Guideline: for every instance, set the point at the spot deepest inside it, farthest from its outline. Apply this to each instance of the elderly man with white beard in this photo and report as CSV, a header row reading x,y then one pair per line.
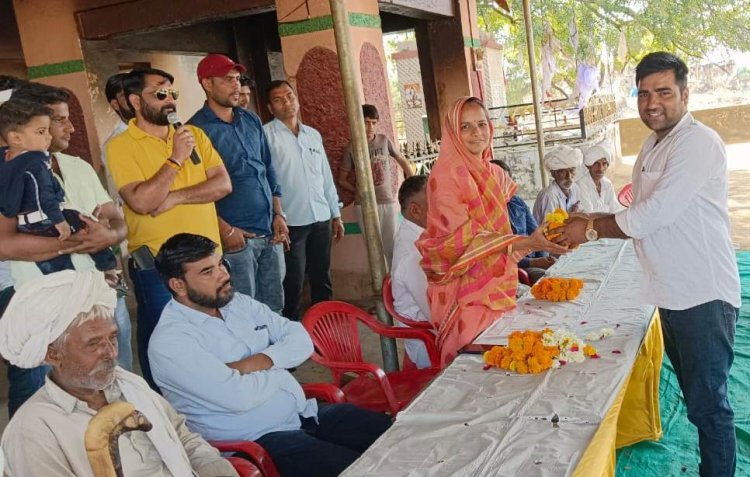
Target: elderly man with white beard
x,y
65,320
563,193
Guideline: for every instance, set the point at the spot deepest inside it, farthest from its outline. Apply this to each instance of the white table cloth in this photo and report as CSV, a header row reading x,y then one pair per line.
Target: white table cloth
x,y
472,422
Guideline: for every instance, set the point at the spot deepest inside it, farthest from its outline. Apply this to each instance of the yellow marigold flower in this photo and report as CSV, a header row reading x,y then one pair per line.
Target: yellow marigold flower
x,y
557,289
589,350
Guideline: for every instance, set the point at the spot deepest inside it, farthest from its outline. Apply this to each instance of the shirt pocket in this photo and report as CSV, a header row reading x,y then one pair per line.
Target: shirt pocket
x,y
647,183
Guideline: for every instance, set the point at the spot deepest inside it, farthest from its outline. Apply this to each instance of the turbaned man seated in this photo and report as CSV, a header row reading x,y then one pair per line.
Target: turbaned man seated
x,y
221,359
66,321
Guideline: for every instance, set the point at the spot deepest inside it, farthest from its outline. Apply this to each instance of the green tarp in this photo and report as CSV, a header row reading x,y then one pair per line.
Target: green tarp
x,y
676,454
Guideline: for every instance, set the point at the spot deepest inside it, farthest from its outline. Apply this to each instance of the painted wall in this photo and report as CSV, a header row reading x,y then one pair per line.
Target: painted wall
x,y
731,122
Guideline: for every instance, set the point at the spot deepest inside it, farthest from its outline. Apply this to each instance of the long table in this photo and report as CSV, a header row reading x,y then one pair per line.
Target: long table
x,y
563,422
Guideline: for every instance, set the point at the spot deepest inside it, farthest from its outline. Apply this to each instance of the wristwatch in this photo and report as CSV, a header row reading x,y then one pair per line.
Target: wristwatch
x,y
591,233
281,214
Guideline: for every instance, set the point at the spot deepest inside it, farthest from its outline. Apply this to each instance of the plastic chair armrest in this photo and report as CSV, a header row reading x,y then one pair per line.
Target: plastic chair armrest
x,y
254,451
325,392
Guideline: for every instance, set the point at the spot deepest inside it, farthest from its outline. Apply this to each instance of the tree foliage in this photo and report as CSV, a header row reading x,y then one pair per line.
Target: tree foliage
x,y
689,28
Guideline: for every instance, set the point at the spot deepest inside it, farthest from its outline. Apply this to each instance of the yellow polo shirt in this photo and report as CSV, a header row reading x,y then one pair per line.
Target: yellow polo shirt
x,y
135,156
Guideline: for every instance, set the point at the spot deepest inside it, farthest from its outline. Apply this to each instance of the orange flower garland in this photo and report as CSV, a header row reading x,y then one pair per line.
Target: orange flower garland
x,y
557,289
531,352
524,354
554,220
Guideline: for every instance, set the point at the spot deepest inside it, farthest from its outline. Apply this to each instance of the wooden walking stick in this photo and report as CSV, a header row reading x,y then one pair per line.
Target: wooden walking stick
x,y
103,433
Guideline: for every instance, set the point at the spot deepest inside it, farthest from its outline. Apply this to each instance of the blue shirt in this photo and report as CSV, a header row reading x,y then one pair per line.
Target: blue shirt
x,y
302,165
188,353
243,147
522,222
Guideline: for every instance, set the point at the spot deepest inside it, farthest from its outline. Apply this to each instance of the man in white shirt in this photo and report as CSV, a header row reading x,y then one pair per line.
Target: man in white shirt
x,y
597,193
222,359
310,199
408,280
563,193
679,221
65,320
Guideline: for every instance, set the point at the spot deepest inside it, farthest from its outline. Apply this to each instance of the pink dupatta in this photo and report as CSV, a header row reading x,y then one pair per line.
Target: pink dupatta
x,y
471,280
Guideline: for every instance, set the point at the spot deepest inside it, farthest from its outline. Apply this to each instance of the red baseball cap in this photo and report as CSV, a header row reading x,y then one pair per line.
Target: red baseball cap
x,y
217,65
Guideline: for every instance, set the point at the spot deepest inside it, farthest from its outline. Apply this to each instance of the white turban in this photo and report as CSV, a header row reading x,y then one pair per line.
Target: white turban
x,y
42,309
600,150
562,157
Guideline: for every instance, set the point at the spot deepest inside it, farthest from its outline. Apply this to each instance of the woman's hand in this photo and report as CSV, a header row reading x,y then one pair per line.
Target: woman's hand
x,y
537,242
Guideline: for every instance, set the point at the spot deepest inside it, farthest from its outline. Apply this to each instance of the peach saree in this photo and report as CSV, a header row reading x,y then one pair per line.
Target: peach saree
x,y
471,279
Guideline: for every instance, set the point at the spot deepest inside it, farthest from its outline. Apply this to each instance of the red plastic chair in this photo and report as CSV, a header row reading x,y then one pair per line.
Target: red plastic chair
x,y
244,467
625,196
408,364
391,309
333,328
523,277
256,462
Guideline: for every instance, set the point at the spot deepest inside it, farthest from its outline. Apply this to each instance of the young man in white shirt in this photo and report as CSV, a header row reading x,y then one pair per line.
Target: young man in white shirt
x,y
679,221
408,280
596,191
310,198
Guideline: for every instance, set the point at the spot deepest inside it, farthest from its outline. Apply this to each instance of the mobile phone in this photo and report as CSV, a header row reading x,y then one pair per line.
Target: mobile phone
x,y
143,258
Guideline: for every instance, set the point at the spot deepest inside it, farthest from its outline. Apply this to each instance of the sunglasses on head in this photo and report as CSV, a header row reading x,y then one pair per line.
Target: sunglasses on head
x,y
162,93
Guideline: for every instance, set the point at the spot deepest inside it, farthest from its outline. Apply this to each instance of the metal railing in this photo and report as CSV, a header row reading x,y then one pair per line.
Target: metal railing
x,y
515,124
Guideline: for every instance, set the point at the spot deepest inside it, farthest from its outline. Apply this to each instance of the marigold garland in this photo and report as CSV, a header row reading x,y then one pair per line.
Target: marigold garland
x,y
555,220
531,352
557,289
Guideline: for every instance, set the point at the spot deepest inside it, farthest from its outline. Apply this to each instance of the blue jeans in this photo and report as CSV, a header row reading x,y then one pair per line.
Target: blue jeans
x,y
325,449
152,296
124,347
258,271
699,342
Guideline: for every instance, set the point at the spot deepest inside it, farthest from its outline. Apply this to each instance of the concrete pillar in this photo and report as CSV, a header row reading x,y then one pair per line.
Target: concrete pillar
x,y
311,64
53,54
450,58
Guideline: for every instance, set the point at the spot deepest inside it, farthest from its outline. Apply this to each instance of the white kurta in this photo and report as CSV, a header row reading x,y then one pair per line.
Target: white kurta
x,y
552,197
593,201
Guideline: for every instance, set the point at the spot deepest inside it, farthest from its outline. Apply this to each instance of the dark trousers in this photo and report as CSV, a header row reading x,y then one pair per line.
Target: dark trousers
x,y
309,252
325,449
22,383
103,259
699,342
152,296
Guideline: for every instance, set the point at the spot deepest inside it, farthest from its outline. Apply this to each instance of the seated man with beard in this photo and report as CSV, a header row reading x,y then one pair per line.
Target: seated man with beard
x,y
66,321
221,359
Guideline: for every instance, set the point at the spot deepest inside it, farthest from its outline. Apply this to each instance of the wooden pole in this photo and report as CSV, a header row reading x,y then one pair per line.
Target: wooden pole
x,y
365,187
535,90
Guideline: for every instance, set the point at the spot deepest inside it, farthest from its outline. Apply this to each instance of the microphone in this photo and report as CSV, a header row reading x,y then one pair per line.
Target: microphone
x,y
174,120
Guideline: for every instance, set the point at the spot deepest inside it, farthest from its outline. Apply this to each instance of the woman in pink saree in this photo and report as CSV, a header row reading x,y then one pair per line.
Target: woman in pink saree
x,y
469,252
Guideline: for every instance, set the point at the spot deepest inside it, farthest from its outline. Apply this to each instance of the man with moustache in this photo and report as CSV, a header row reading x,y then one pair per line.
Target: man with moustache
x,y
83,192
679,223
65,320
310,199
221,359
563,193
596,191
251,219
163,190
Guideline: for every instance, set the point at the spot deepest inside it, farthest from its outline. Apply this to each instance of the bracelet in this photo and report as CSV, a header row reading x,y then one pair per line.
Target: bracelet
x,y
230,232
174,164
510,249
